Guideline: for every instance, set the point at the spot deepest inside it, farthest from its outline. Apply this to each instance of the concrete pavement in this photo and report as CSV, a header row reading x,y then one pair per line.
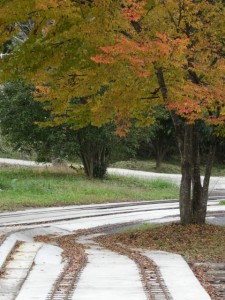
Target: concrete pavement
x,y
47,267
16,270
93,284
34,268
106,275
178,277
90,216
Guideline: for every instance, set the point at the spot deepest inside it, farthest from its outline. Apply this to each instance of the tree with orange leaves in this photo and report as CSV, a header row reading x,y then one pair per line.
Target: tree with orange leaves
x,y
179,45
143,54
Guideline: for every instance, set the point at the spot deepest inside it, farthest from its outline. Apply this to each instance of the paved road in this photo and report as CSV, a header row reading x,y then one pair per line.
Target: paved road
x,y
216,182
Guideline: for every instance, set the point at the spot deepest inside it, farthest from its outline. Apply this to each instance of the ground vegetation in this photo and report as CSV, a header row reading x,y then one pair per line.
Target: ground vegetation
x,y
23,188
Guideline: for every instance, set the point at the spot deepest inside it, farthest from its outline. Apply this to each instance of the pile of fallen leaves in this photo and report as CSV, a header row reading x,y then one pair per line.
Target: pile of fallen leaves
x,y
195,242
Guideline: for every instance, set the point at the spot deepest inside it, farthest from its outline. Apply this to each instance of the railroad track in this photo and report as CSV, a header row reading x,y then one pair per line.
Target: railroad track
x,y
151,277
77,213
214,275
64,286
66,283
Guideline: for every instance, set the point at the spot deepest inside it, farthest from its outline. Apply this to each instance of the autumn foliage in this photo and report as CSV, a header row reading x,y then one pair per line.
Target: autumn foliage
x,y
133,39
182,52
108,60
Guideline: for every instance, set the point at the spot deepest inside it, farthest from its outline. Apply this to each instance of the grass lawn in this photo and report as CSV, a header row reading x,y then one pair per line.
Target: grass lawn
x,y
24,187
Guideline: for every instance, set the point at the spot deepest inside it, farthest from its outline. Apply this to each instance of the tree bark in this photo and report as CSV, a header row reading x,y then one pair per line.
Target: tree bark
x,y
184,139
196,179
160,152
94,155
177,122
193,196
186,211
200,202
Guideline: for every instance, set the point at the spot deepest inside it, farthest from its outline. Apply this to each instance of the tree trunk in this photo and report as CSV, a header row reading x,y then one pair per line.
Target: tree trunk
x,y
197,194
159,152
94,156
87,162
186,211
193,196
201,200
101,161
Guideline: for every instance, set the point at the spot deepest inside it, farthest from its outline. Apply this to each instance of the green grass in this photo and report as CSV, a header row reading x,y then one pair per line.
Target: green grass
x,y
22,187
